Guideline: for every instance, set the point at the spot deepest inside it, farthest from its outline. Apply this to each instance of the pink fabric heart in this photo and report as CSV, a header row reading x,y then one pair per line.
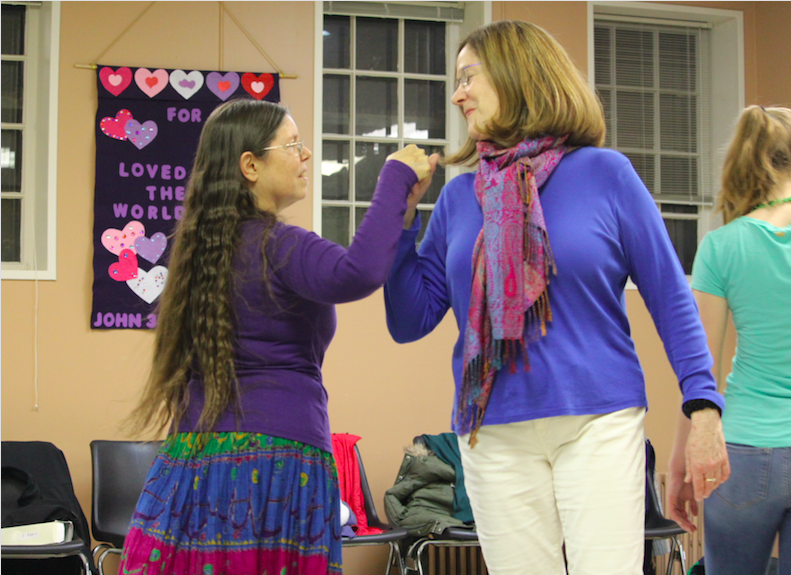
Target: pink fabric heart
x,y
117,241
115,127
151,83
126,268
116,81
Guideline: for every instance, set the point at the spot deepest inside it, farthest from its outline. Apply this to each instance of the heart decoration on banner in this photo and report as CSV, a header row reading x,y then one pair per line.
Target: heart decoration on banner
x,y
149,285
151,249
117,241
116,127
222,85
186,84
126,268
151,83
116,81
143,134
258,86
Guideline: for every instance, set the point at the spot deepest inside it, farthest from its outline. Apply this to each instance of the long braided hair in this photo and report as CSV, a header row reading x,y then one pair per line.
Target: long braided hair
x,y
195,327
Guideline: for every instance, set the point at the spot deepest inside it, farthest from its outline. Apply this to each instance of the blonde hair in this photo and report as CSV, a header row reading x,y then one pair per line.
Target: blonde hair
x,y
540,89
758,160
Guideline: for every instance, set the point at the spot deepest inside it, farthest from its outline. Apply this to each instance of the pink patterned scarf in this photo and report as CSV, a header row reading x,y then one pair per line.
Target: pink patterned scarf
x,y
511,264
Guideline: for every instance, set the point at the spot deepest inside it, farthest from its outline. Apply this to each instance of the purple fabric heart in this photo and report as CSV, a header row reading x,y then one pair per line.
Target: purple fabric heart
x,y
187,84
223,86
151,249
139,134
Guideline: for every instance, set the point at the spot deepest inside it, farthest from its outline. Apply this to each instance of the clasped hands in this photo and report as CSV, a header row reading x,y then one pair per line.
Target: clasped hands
x,y
424,167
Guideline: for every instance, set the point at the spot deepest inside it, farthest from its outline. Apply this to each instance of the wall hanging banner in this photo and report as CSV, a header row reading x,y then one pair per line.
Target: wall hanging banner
x,y
148,123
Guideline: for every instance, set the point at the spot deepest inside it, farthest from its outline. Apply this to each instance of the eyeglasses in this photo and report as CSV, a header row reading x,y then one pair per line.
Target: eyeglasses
x,y
464,78
300,146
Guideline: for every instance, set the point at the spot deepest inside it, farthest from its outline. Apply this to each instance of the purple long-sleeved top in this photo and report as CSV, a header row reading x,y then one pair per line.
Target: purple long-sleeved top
x,y
280,345
603,227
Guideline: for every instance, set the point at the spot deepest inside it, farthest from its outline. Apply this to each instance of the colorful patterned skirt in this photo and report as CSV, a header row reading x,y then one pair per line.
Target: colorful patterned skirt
x,y
236,504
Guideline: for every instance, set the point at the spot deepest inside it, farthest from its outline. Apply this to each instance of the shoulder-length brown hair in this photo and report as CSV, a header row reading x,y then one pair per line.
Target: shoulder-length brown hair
x,y
758,160
540,89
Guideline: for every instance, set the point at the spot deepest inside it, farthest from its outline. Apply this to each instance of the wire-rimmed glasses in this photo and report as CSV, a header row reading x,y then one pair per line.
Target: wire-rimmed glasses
x,y
465,77
300,146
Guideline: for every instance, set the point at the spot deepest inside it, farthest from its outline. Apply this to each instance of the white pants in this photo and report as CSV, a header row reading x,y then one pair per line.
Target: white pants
x,y
578,480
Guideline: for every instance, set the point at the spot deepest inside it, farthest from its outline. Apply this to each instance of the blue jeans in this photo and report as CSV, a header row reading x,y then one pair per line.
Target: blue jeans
x,y
744,514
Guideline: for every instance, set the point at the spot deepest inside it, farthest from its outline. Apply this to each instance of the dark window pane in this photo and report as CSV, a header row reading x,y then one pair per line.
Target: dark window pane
x,y
369,157
424,109
377,44
679,175
377,107
335,224
337,34
605,96
634,117
601,62
335,170
634,58
13,38
678,117
424,47
359,214
684,235
679,209
12,79
12,228
432,194
336,104
678,61
11,161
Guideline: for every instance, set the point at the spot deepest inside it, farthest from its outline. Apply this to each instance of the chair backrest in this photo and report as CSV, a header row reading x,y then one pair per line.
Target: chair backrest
x,y
370,507
47,467
120,469
657,526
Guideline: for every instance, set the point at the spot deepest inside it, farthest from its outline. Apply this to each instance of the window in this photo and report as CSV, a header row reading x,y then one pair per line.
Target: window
x,y
387,73
653,71
29,120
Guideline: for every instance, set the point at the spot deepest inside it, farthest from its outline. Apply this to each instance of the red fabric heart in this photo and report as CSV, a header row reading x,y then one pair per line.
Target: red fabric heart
x,y
126,268
223,86
116,81
258,86
152,81
114,127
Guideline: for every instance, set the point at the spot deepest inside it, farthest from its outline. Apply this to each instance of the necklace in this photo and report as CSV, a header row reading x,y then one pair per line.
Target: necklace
x,y
772,203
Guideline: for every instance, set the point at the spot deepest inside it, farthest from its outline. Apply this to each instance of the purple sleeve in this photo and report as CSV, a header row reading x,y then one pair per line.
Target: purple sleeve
x,y
322,271
655,269
416,293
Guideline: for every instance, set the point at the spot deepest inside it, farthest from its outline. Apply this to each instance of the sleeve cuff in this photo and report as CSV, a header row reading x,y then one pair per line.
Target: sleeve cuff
x,y
693,405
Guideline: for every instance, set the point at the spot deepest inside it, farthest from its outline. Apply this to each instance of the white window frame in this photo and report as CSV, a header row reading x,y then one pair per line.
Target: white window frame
x,y
476,14
39,145
727,77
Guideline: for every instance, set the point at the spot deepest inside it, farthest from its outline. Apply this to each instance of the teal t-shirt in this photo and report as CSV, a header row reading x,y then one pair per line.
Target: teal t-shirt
x,y
748,262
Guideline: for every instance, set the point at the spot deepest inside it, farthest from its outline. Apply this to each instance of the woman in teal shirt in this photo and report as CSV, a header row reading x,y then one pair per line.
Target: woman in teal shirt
x,y
744,268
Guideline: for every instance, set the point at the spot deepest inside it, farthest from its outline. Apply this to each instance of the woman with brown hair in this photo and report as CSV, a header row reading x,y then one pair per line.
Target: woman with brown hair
x,y
744,269
532,252
245,481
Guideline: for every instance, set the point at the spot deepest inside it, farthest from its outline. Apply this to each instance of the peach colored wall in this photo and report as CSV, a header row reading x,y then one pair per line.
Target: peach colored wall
x,y
385,392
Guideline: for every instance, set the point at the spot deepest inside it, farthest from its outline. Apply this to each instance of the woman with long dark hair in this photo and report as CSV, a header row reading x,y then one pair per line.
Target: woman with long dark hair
x,y
532,252
743,269
245,481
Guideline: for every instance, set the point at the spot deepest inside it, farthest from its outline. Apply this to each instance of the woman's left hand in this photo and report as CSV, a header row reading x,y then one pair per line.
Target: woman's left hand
x,y
706,455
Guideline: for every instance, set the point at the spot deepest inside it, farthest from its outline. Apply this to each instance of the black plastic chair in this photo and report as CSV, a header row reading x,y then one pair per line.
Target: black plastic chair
x,y
392,536
120,469
657,526
47,467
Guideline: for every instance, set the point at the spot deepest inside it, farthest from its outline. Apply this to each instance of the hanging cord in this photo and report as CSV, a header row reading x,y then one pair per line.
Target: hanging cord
x,y
113,43
222,33
223,10
257,46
